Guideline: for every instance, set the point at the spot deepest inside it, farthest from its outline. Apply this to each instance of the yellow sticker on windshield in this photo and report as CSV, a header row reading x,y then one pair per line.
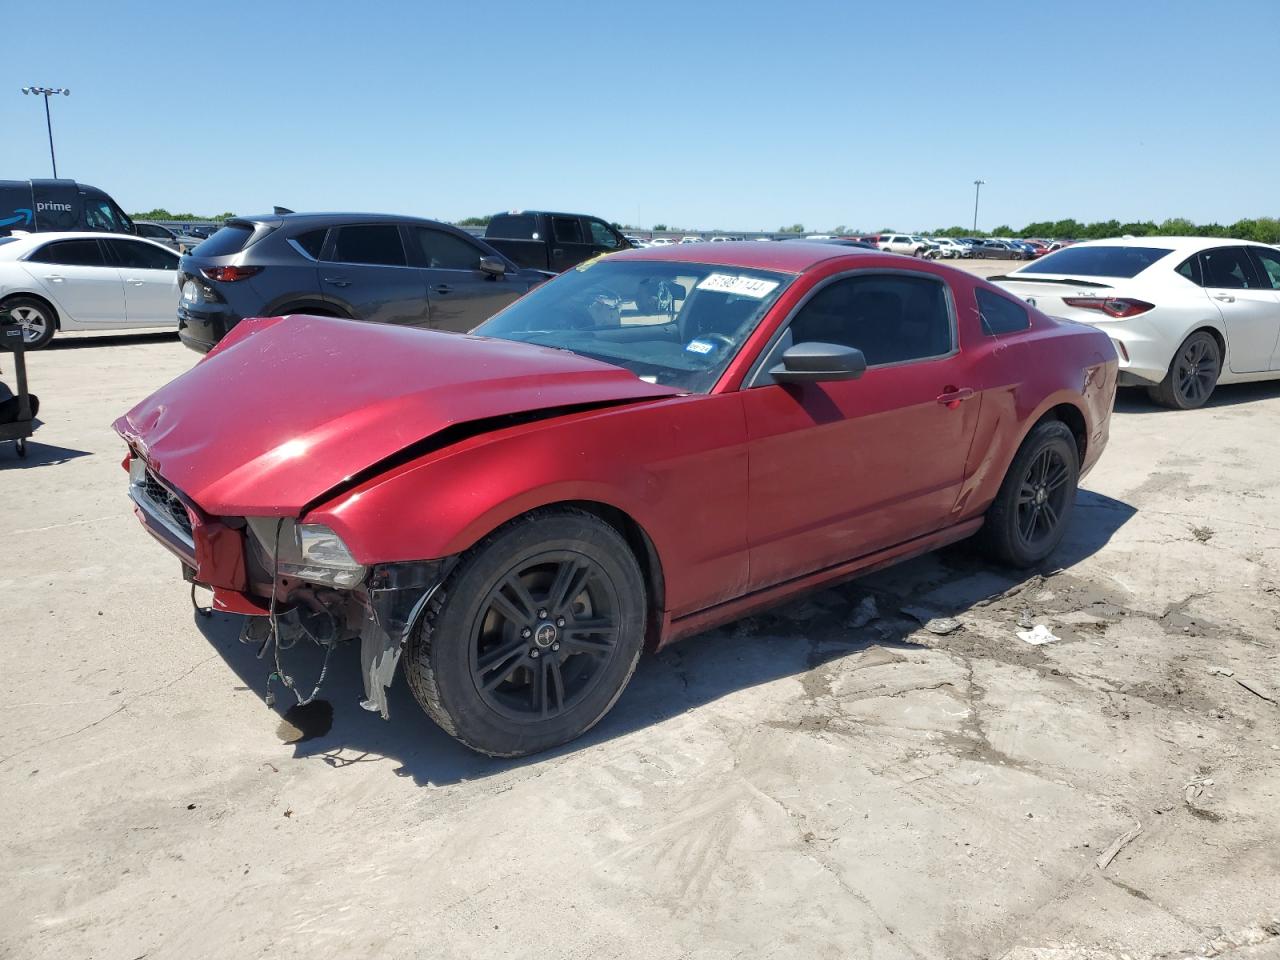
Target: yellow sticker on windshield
x,y
587,264
737,285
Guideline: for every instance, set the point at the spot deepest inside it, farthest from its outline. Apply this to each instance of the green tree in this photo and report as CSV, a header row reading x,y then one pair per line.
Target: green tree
x,y
1177,227
794,228
474,222
1004,230
660,226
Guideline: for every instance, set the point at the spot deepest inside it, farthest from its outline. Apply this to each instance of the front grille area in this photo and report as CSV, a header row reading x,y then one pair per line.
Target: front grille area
x,y
162,505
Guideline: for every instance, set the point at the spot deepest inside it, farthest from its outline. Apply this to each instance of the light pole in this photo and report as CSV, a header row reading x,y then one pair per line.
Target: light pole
x,y
977,189
48,92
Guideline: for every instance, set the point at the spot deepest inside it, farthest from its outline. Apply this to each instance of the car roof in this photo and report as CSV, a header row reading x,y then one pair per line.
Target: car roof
x,y
18,245
1177,244
793,257
332,218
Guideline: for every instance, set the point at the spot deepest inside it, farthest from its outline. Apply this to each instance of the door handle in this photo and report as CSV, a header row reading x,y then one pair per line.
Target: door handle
x,y
1224,297
952,397
55,277
442,288
136,283
338,281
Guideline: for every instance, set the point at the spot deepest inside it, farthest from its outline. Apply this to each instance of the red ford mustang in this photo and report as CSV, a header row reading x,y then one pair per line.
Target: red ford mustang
x,y
649,445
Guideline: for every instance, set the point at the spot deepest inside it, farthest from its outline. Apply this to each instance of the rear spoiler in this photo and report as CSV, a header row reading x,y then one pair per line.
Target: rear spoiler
x,y
1012,278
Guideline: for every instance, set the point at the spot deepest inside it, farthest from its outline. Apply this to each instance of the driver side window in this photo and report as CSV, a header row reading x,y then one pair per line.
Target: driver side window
x,y
891,318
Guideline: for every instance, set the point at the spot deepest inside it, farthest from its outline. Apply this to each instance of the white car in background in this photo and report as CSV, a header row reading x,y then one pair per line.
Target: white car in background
x,y
1184,313
906,244
661,242
951,249
86,281
690,239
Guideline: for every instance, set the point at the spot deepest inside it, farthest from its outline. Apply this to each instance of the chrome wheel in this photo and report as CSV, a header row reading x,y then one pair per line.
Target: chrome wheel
x,y
36,327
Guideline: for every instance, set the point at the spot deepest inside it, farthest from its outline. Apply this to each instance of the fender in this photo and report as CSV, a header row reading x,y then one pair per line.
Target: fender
x,y
676,467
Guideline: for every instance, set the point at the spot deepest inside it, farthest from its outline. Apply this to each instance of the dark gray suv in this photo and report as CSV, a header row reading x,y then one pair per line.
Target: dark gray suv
x,y
376,267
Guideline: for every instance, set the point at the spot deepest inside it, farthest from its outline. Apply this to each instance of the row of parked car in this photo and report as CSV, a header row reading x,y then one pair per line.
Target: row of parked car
x,y
913,245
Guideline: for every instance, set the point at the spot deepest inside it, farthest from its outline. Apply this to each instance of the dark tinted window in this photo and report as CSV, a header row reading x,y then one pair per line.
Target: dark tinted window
x,y
102,215
142,256
230,239
70,253
1268,263
1000,314
312,242
153,230
1228,267
1190,268
567,229
602,235
1098,261
512,227
370,244
445,251
888,318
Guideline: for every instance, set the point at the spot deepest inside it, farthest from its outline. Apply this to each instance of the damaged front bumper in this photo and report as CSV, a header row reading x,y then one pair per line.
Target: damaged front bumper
x,y
247,564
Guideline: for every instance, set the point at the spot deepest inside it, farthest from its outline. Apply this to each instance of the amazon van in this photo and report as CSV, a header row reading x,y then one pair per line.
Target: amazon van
x,y
46,205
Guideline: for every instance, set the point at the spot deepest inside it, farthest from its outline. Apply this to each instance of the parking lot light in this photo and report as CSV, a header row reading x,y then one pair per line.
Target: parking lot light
x,y
48,92
977,189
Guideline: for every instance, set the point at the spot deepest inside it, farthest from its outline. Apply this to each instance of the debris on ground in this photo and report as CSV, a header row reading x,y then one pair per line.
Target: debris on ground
x,y
1118,844
1195,787
1025,620
930,620
1256,690
1221,671
865,612
1203,534
1037,636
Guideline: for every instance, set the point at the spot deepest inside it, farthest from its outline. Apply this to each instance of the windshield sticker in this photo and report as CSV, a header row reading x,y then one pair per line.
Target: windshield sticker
x,y
738,285
700,346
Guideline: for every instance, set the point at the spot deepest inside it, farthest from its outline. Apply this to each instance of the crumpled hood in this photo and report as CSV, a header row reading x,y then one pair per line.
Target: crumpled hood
x,y
287,408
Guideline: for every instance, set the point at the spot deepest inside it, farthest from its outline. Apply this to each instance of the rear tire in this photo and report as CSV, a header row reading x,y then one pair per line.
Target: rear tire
x,y
1193,374
37,320
533,636
1029,516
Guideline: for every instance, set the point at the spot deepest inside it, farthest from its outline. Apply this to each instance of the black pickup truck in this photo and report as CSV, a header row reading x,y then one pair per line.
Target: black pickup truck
x,y
551,241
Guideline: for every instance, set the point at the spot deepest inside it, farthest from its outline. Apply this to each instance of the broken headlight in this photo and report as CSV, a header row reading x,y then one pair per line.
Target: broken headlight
x,y
308,551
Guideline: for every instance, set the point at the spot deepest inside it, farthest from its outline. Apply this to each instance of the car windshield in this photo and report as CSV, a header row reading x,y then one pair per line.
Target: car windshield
x,y
1098,261
677,324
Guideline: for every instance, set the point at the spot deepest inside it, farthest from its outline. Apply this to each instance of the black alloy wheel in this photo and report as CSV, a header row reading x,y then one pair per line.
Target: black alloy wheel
x,y
1028,517
1042,497
545,632
1192,375
533,635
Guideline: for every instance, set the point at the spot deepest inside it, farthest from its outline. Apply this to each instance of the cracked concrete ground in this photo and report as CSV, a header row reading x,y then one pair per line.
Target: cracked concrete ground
x,y
807,783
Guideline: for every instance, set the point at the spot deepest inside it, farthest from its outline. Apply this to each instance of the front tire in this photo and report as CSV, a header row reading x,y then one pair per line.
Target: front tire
x,y
1028,518
36,319
533,636
1193,373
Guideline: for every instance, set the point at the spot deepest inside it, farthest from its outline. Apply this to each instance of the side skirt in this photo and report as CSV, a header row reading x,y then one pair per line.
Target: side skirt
x,y
744,606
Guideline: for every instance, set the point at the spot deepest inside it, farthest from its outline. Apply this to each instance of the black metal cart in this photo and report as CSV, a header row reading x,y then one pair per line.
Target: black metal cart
x,y
23,425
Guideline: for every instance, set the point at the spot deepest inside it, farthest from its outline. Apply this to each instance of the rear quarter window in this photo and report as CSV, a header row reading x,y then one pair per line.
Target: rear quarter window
x,y
1098,261
1000,315
512,227
230,239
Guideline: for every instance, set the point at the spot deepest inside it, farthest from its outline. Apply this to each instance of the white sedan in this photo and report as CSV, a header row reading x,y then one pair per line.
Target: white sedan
x,y
1184,313
86,281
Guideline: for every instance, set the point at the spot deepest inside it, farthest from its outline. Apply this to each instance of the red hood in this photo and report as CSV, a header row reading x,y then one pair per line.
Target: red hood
x,y
286,408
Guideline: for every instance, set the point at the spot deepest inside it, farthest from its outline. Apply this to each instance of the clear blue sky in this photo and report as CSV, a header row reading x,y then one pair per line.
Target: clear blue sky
x,y
698,113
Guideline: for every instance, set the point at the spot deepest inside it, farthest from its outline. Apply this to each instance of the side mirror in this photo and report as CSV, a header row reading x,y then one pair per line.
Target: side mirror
x,y
493,266
815,362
